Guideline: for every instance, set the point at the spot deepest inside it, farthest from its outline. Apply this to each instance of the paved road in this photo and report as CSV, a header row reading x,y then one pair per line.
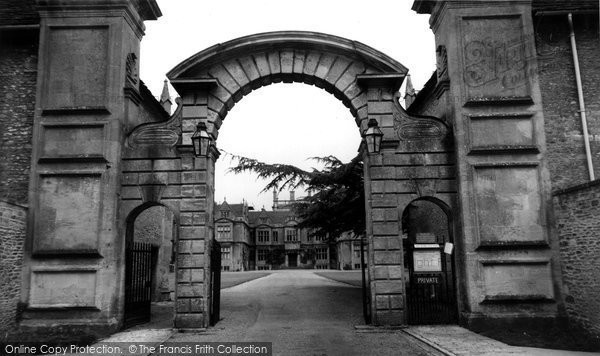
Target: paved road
x,y
302,314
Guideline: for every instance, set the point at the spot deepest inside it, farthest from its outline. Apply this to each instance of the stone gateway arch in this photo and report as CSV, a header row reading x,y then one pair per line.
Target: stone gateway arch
x,y
366,81
104,151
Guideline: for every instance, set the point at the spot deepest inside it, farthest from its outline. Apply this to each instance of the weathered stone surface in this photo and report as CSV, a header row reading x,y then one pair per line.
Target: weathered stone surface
x,y
190,321
387,243
388,287
66,288
387,257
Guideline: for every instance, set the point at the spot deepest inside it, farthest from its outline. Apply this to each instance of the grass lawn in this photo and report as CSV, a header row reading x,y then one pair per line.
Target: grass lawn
x,y
350,277
230,279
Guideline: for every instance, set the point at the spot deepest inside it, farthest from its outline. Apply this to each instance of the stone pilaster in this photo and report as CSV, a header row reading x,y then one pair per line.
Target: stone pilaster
x,y
507,251
88,57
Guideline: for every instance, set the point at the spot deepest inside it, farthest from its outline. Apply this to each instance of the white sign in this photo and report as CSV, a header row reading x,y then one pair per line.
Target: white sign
x,y
448,248
429,246
427,261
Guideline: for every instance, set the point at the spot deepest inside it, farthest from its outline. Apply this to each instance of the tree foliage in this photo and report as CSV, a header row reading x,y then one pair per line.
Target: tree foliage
x,y
337,202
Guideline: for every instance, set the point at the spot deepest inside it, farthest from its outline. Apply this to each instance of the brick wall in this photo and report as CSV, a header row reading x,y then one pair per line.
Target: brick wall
x,y
564,137
12,235
18,71
578,216
18,12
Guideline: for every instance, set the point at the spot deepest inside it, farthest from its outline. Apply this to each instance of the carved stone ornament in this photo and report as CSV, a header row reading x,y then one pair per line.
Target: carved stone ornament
x,y
414,127
442,63
166,133
131,70
425,187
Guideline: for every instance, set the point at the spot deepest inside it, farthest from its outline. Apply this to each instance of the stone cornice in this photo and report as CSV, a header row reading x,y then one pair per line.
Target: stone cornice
x,y
387,80
183,85
438,8
134,12
284,40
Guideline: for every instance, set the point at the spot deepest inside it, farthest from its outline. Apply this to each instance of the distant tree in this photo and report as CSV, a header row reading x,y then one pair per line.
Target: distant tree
x,y
337,203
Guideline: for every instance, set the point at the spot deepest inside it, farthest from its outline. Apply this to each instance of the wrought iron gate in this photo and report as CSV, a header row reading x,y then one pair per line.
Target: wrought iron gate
x,y
430,294
215,274
139,259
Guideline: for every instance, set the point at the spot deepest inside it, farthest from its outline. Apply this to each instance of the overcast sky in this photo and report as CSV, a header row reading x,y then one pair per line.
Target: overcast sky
x,y
283,123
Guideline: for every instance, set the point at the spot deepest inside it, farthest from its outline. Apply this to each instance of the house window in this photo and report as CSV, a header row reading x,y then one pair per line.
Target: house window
x,y
357,266
225,213
356,248
262,255
291,235
321,254
225,268
263,235
225,253
275,235
223,232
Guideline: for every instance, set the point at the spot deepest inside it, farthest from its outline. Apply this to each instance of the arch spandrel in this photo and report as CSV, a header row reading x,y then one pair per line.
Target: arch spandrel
x,y
244,64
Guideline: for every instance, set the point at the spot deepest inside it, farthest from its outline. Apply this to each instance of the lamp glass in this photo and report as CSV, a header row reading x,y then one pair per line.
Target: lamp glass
x,y
373,136
201,140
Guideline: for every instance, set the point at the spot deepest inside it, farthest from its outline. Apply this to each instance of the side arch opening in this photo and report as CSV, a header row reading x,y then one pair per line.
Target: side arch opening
x,y
151,237
427,236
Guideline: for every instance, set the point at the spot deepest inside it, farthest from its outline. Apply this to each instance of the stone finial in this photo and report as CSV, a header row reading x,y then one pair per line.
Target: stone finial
x,y
165,98
409,92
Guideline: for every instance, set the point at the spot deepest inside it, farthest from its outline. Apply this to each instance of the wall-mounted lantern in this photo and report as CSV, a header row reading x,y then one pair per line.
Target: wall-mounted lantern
x,y
201,140
373,136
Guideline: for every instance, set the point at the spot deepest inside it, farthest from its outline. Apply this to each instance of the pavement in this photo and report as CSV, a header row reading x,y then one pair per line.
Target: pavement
x,y
303,313
453,340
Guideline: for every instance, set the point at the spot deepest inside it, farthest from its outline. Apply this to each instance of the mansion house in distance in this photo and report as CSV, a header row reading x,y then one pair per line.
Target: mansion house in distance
x,y
265,240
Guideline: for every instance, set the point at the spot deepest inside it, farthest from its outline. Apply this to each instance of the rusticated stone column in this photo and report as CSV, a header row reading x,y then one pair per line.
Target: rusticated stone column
x,y
193,287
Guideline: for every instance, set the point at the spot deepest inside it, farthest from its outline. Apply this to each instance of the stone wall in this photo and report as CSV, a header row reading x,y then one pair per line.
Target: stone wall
x,y
564,135
578,216
18,70
12,235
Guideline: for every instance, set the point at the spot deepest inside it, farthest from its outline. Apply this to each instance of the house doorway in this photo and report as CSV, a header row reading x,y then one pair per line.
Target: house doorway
x,y
293,259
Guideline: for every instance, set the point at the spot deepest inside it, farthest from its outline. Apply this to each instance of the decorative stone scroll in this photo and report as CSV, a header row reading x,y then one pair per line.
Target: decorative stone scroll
x,y
416,128
425,187
166,133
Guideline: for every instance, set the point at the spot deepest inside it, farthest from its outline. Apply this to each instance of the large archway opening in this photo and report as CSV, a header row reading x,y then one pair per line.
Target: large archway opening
x,y
259,232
